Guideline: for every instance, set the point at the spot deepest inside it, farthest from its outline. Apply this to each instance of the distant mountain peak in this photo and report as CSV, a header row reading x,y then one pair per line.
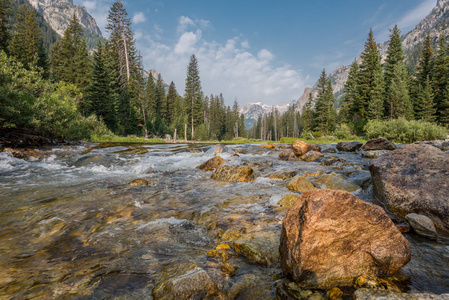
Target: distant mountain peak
x,y
58,14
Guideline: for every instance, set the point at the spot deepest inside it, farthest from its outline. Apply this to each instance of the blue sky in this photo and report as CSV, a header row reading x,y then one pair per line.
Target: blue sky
x,y
266,51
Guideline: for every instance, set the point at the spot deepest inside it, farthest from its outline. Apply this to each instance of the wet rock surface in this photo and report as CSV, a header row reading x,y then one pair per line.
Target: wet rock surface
x,y
373,294
312,156
300,148
211,164
422,225
300,184
379,144
233,173
72,226
330,237
414,179
349,146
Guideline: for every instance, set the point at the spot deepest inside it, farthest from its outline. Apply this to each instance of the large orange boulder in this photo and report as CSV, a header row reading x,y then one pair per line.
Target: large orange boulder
x,y
300,148
234,173
331,237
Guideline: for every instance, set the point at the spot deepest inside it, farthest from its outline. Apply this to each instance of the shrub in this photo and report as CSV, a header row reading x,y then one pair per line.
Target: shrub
x,y
343,132
287,140
403,131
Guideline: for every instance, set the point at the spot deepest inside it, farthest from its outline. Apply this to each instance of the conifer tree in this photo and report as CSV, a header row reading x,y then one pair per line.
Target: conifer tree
x,y
193,94
172,96
83,67
27,37
324,102
425,64
376,103
395,56
4,27
99,94
306,117
426,109
399,100
440,79
161,99
347,110
150,98
365,77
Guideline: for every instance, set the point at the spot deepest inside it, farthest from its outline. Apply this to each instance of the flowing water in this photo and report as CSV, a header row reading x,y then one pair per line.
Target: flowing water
x,y
71,225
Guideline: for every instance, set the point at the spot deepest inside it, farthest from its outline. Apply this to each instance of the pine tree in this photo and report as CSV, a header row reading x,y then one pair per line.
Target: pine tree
x,y
440,79
67,51
395,56
4,26
322,113
425,61
83,67
193,94
172,96
99,94
123,43
443,113
161,99
399,100
376,103
425,102
306,117
25,42
365,77
348,108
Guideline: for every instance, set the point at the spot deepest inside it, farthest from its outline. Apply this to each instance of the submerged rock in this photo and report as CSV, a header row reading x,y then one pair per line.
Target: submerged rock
x,y
311,156
379,144
349,146
139,182
259,247
300,148
269,146
300,184
234,173
188,281
330,237
287,154
374,153
217,149
373,294
211,164
287,201
373,282
414,179
336,183
422,225
283,175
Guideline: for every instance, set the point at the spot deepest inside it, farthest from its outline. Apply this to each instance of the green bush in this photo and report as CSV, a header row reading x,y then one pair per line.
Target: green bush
x,y
287,140
403,131
343,132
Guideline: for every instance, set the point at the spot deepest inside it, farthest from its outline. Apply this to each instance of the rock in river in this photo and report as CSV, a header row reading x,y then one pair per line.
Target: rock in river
x,y
311,156
414,179
349,146
373,294
330,237
300,184
379,144
422,225
234,173
211,164
287,154
300,148
187,281
259,247
336,183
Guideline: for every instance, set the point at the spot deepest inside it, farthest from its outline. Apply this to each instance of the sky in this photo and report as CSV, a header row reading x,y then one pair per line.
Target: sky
x,y
257,50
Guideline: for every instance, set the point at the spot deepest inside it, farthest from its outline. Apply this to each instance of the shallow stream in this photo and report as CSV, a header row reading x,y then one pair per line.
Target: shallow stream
x,y
71,225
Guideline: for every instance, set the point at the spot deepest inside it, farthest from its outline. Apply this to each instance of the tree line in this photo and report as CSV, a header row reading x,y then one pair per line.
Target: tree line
x,y
109,83
374,91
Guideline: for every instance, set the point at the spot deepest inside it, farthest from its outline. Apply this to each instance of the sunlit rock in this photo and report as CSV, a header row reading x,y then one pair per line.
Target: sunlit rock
x,y
331,237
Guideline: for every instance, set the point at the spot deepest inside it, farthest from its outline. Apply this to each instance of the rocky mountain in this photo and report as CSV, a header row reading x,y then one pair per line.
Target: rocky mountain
x,y
58,14
252,111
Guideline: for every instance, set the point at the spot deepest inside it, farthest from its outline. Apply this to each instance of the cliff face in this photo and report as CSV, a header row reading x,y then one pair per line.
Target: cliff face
x,y
58,14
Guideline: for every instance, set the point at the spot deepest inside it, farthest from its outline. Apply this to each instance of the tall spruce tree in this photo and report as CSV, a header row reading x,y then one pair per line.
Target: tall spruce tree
x,y
4,26
348,109
172,96
193,94
365,77
161,99
376,103
324,102
99,94
27,37
426,111
306,116
440,79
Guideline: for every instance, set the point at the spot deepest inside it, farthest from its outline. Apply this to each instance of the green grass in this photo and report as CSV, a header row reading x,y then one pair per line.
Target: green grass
x,y
122,139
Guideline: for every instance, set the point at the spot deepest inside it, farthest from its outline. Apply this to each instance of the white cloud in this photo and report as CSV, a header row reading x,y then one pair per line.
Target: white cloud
x,y
228,68
184,23
139,18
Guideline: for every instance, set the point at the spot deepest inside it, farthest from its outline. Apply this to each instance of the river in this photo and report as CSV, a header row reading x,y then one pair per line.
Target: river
x,y
71,225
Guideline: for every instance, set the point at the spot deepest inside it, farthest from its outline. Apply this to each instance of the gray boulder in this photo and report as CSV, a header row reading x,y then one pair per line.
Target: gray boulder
x,y
379,144
349,146
422,225
414,179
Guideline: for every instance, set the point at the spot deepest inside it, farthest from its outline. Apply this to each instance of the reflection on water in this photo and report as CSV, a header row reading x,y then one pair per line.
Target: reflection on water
x,y
71,225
